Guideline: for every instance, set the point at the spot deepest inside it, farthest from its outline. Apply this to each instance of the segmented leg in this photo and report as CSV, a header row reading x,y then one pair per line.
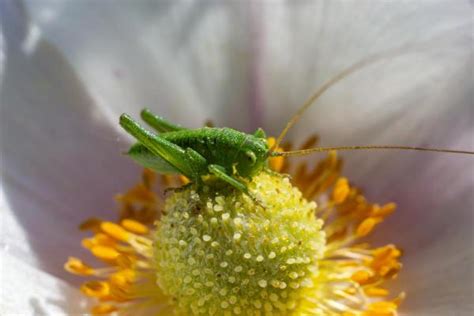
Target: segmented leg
x,y
173,154
196,161
158,123
144,157
219,172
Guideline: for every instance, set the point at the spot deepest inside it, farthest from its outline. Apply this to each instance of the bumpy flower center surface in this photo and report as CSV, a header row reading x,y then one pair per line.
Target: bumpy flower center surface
x,y
218,251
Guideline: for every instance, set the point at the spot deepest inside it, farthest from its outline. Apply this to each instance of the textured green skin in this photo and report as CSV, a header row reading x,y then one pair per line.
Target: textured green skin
x,y
225,147
234,153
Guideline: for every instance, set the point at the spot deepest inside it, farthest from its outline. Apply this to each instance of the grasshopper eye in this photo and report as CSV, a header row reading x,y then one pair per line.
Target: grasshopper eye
x,y
251,156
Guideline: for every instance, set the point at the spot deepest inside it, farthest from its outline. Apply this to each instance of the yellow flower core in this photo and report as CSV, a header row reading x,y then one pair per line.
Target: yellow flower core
x,y
291,249
219,252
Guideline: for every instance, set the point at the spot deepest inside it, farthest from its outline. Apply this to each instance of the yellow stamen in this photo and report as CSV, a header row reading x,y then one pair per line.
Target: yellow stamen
x,y
341,190
384,211
96,289
105,253
123,278
382,308
134,226
76,266
361,277
348,276
367,226
115,231
376,291
99,239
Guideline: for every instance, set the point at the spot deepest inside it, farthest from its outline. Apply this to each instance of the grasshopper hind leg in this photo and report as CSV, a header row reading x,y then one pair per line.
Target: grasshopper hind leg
x,y
159,123
175,156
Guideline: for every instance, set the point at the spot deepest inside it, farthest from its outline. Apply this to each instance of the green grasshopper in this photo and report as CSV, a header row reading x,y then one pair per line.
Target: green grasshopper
x,y
230,155
223,152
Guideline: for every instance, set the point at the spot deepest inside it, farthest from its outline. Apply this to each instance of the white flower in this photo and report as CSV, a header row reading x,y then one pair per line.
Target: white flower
x,y
70,68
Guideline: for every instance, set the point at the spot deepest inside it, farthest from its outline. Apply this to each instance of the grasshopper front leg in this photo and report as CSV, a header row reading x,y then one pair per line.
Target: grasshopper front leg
x,y
186,161
220,173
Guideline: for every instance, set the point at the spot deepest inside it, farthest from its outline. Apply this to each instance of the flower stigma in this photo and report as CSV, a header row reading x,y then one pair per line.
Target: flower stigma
x,y
290,247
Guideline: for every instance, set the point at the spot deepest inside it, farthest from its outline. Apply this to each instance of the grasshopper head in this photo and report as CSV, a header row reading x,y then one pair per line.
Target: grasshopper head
x,y
252,156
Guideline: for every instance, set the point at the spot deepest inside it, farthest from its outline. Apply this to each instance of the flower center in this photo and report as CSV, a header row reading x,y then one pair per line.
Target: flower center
x,y
217,251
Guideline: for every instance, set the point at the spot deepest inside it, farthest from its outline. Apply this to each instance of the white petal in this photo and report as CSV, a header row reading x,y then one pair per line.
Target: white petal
x,y
421,98
60,162
61,118
308,44
25,290
60,146
189,61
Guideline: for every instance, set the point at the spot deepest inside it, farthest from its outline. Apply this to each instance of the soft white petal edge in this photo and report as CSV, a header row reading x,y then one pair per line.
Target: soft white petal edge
x,y
25,289
53,144
189,60
461,276
421,98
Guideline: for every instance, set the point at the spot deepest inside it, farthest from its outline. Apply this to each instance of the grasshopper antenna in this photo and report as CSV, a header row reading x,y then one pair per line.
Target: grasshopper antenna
x,y
328,84
374,147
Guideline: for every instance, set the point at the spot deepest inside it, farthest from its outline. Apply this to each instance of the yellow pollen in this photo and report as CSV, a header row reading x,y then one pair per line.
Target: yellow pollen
x,y
376,291
123,277
383,211
99,239
387,251
361,277
367,226
87,243
115,231
76,266
105,253
341,190
382,308
134,226
235,260
96,289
